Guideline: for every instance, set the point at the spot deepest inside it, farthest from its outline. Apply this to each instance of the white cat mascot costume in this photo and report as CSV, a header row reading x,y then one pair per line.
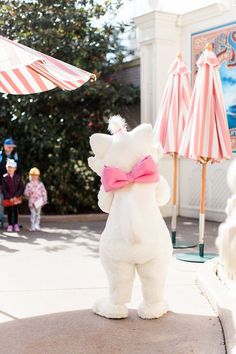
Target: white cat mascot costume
x,y
135,237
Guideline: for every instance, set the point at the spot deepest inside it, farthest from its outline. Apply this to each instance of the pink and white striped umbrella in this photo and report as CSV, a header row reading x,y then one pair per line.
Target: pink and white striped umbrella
x,y
25,71
174,107
206,133
170,125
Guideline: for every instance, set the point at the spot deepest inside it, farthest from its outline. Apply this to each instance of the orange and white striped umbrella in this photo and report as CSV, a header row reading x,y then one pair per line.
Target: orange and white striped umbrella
x,y
174,107
206,134
25,71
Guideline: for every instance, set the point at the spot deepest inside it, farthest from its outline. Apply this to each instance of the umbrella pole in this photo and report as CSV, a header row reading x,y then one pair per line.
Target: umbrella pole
x,y
202,211
177,244
174,205
201,257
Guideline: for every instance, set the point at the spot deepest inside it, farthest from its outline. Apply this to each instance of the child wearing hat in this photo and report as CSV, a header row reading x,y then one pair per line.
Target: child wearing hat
x,y
8,152
12,189
36,194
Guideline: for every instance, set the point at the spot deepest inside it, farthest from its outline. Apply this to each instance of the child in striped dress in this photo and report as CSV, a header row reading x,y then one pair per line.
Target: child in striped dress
x,y
36,194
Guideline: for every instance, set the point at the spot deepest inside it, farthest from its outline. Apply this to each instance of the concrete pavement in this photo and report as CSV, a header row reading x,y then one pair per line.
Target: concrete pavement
x,y
50,279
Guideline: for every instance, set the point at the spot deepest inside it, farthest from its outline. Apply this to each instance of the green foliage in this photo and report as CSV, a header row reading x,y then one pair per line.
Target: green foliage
x,y
52,129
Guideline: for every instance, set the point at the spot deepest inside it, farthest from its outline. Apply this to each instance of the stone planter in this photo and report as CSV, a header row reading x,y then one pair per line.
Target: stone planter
x,y
221,293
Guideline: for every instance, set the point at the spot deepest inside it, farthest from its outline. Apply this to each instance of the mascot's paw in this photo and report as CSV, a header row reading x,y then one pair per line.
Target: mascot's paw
x,y
156,310
105,308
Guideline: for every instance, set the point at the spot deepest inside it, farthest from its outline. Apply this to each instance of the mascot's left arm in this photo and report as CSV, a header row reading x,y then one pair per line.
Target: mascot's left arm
x,y
163,191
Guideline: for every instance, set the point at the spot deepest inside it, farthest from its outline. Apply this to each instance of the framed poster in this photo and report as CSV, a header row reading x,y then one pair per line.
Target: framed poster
x,y
223,39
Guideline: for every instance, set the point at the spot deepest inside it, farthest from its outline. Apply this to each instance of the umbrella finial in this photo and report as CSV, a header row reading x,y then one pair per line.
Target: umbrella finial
x,y
209,46
179,55
203,160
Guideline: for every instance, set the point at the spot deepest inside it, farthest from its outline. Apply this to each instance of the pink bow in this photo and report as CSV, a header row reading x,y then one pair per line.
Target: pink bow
x,y
144,171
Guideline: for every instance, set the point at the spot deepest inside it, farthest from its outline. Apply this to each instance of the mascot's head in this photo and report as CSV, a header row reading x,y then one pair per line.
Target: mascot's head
x,y
123,149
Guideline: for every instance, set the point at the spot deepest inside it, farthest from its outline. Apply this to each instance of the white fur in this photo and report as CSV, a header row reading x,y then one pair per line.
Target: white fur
x,y
135,237
105,308
154,311
231,176
226,240
116,124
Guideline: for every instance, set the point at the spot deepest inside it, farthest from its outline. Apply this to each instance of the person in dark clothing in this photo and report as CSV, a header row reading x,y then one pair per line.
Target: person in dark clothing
x,y
12,189
8,152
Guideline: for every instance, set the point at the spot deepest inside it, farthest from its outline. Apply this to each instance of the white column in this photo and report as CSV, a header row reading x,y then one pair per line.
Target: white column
x,y
158,37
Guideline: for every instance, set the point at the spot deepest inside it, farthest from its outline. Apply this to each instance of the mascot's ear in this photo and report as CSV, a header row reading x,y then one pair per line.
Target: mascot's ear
x,y
96,165
144,133
100,144
159,151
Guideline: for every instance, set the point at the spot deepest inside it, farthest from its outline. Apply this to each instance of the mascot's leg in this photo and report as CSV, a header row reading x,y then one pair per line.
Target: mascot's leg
x,y
153,276
120,276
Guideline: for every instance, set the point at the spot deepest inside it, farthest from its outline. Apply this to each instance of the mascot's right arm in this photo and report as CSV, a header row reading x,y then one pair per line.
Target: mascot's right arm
x,y
99,144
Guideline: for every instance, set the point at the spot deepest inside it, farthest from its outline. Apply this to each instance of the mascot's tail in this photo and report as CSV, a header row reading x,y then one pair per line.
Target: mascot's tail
x,y
131,222
116,124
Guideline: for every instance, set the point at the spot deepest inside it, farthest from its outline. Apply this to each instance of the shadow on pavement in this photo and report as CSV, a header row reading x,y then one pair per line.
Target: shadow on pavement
x,y
56,237
188,230
7,249
82,332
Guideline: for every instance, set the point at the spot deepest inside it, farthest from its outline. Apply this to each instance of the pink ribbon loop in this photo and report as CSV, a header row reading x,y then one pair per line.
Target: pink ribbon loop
x,y
144,171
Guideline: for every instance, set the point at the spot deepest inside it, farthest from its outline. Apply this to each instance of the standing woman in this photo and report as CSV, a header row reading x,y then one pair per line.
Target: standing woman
x,y
8,152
